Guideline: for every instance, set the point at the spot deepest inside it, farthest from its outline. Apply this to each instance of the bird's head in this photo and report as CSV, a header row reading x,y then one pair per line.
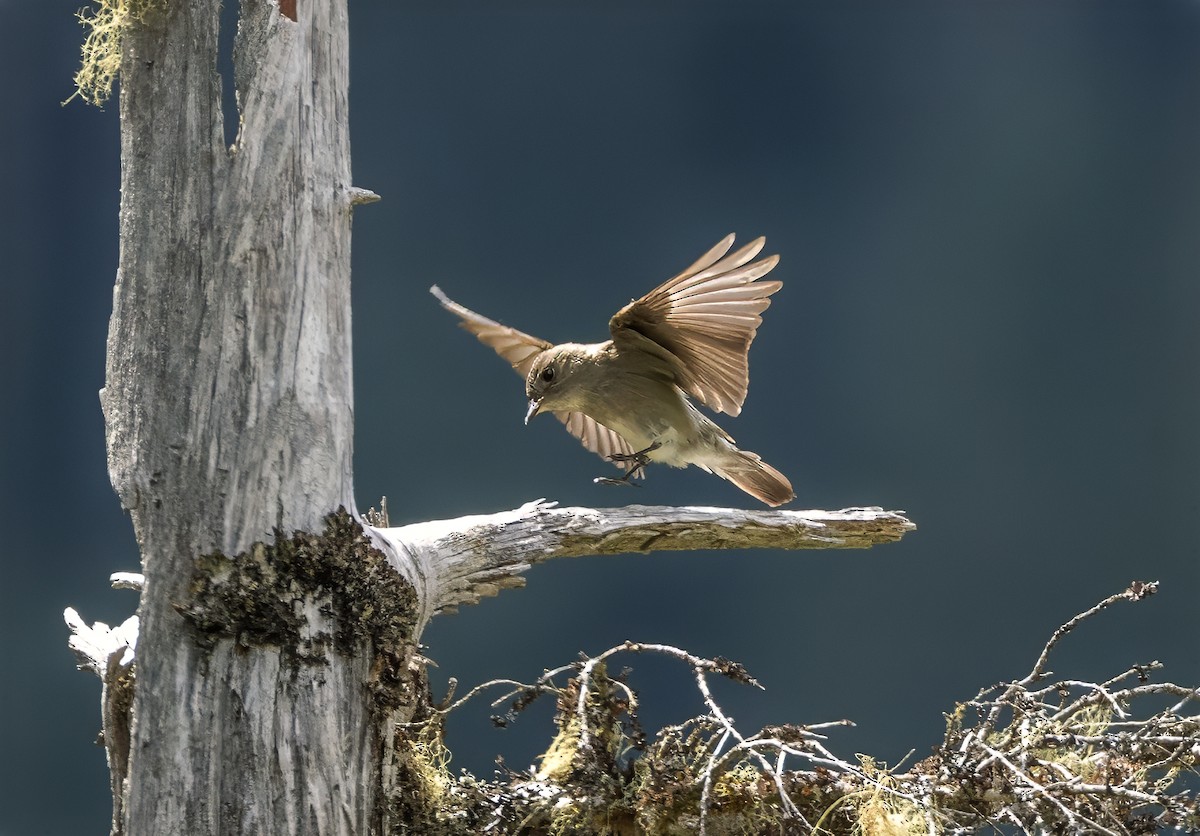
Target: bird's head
x,y
552,383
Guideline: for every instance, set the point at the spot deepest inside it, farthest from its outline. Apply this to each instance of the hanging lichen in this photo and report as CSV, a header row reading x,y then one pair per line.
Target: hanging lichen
x,y
106,23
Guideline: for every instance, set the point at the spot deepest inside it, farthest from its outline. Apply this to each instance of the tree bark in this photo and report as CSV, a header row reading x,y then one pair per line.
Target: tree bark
x,y
228,405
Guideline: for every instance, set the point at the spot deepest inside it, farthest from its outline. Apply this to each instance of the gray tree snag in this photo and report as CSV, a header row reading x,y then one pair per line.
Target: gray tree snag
x,y
270,682
229,411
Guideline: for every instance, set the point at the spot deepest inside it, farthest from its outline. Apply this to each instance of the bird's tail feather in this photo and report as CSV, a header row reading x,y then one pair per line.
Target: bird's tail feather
x,y
756,477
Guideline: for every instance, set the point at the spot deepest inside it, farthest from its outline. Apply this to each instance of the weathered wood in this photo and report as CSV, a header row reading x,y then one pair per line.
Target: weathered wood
x,y
108,652
458,561
228,404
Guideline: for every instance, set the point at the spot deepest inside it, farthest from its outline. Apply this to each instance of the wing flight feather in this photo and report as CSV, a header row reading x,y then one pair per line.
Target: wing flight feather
x,y
703,321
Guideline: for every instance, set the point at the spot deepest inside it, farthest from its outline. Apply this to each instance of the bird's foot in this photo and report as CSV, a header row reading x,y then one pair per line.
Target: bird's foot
x,y
641,458
624,480
637,463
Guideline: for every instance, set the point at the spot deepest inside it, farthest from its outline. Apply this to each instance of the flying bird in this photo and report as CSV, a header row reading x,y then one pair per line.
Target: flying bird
x,y
628,399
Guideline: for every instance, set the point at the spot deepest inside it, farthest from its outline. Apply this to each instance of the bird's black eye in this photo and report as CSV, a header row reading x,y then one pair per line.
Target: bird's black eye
x,y
548,373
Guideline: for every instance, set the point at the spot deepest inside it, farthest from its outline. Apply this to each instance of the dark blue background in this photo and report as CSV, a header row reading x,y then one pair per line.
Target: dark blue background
x,y
988,215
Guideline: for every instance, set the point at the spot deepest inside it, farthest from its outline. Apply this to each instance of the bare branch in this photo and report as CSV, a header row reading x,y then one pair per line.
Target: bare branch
x,y
1136,592
458,561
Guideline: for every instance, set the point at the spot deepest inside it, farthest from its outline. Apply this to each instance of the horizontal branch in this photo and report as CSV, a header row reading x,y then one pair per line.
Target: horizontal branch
x,y
459,561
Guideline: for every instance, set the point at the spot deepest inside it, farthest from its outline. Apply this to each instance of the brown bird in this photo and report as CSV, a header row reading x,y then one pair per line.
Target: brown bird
x,y
627,398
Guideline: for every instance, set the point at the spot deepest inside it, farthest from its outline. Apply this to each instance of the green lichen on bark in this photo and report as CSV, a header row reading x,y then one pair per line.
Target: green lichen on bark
x,y
106,24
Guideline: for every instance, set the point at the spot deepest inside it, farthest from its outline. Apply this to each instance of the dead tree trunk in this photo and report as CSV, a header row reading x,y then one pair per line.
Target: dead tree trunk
x,y
229,410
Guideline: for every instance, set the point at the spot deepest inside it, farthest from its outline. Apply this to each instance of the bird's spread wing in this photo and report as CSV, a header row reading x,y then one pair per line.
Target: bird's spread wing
x,y
520,350
702,322
517,347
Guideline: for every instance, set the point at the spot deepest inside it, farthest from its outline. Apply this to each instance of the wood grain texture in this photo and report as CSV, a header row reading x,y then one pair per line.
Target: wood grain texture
x,y
228,405
459,561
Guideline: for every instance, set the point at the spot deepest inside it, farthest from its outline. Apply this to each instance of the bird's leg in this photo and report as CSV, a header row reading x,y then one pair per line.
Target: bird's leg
x,y
639,459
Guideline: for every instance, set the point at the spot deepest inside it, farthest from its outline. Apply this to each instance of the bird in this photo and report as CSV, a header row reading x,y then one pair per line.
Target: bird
x,y
630,398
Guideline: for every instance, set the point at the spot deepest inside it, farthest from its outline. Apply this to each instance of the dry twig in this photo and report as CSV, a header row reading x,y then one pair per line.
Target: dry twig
x,y
1069,757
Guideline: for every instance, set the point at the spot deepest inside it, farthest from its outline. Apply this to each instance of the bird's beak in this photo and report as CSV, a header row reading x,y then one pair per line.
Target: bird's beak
x,y
534,405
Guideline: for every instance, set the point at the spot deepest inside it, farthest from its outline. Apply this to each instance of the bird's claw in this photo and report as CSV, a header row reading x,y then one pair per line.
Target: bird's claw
x,y
637,465
640,458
